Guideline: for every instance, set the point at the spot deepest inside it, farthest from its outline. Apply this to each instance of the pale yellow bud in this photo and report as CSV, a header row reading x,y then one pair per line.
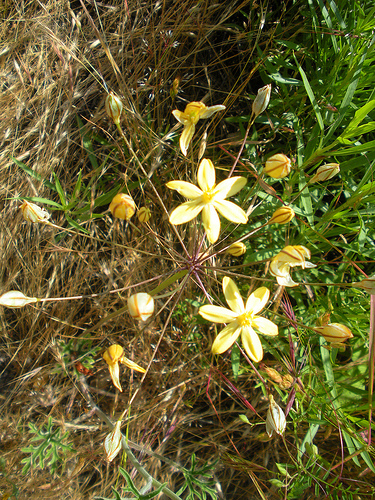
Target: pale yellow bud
x,y
113,107
275,421
334,333
236,249
14,299
33,213
325,172
277,166
122,206
262,99
282,215
368,285
175,86
144,214
112,443
141,306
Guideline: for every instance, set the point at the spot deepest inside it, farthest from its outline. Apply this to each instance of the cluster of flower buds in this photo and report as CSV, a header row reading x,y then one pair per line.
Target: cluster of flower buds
x,y
34,213
275,421
282,215
277,166
122,206
325,172
290,256
335,333
236,249
115,355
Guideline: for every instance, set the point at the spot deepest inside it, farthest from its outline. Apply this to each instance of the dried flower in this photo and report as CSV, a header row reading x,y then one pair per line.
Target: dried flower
x,y
282,215
334,333
113,107
236,249
14,299
275,421
290,256
262,99
112,443
208,198
122,206
242,320
144,214
141,306
115,355
325,172
33,213
194,111
368,285
277,166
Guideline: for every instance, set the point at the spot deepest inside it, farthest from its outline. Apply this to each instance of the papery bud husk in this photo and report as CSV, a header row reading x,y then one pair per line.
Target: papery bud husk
x,y
277,166
282,215
286,382
236,249
325,172
122,206
14,299
334,333
112,443
273,374
141,306
113,107
144,214
275,421
368,285
33,213
262,99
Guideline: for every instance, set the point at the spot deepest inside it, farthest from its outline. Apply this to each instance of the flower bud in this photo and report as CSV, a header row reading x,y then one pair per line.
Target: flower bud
x,y
325,172
112,443
141,306
122,206
275,420
33,213
14,299
368,285
175,86
113,107
273,374
236,249
335,333
262,99
286,382
277,166
144,214
282,215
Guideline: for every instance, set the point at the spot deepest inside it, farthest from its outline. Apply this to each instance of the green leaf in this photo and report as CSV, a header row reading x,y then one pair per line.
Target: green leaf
x,y
59,190
33,174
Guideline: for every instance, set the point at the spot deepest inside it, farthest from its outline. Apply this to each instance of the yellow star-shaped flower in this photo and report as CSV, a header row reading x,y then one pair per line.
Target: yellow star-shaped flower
x,y
207,198
194,111
242,320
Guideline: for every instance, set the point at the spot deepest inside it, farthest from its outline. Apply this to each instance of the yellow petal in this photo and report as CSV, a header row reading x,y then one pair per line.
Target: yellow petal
x,y
186,212
232,295
130,364
211,223
257,300
185,189
206,175
230,211
210,110
265,326
279,268
286,281
180,116
229,187
114,371
226,338
251,344
217,314
186,137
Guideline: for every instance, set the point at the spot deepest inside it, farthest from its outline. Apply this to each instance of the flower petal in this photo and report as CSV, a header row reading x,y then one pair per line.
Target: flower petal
x,y
130,364
210,110
186,189
186,212
181,117
217,314
279,268
211,223
230,211
286,281
252,344
265,326
257,300
186,137
229,187
206,175
114,371
226,338
232,295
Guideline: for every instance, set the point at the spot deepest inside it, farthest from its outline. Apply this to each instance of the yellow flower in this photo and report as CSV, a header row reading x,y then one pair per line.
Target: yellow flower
x,y
113,107
207,198
290,256
282,215
277,166
122,206
115,355
325,172
262,99
236,249
141,306
194,111
242,320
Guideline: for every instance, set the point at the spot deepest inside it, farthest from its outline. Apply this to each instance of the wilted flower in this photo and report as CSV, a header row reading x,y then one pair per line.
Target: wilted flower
x,y
325,172
112,443
115,355
277,166
113,107
242,320
236,249
290,256
33,213
144,214
275,421
208,198
262,99
141,306
335,333
194,111
368,285
282,215
122,206
14,299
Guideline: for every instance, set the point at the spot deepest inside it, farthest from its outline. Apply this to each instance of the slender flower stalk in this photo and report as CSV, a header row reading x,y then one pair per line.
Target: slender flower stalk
x,y
290,256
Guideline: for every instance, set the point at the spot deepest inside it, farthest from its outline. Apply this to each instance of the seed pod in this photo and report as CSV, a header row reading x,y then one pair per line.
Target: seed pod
x,y
33,213
144,214
15,300
113,107
122,206
277,166
236,249
141,306
282,215
262,99
325,172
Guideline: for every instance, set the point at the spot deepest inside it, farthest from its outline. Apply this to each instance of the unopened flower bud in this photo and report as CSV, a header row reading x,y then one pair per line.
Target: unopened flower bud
x,y
113,107
236,249
368,285
141,306
282,215
335,333
275,420
175,86
122,206
112,443
262,99
286,382
14,299
277,166
33,213
144,214
273,374
325,172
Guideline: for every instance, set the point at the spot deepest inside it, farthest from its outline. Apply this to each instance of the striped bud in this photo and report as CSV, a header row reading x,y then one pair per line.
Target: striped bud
x,y
236,249
277,166
262,99
33,213
113,107
325,172
122,206
141,306
282,215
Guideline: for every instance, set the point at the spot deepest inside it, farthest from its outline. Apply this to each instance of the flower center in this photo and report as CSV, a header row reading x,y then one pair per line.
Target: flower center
x,y
246,318
208,195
